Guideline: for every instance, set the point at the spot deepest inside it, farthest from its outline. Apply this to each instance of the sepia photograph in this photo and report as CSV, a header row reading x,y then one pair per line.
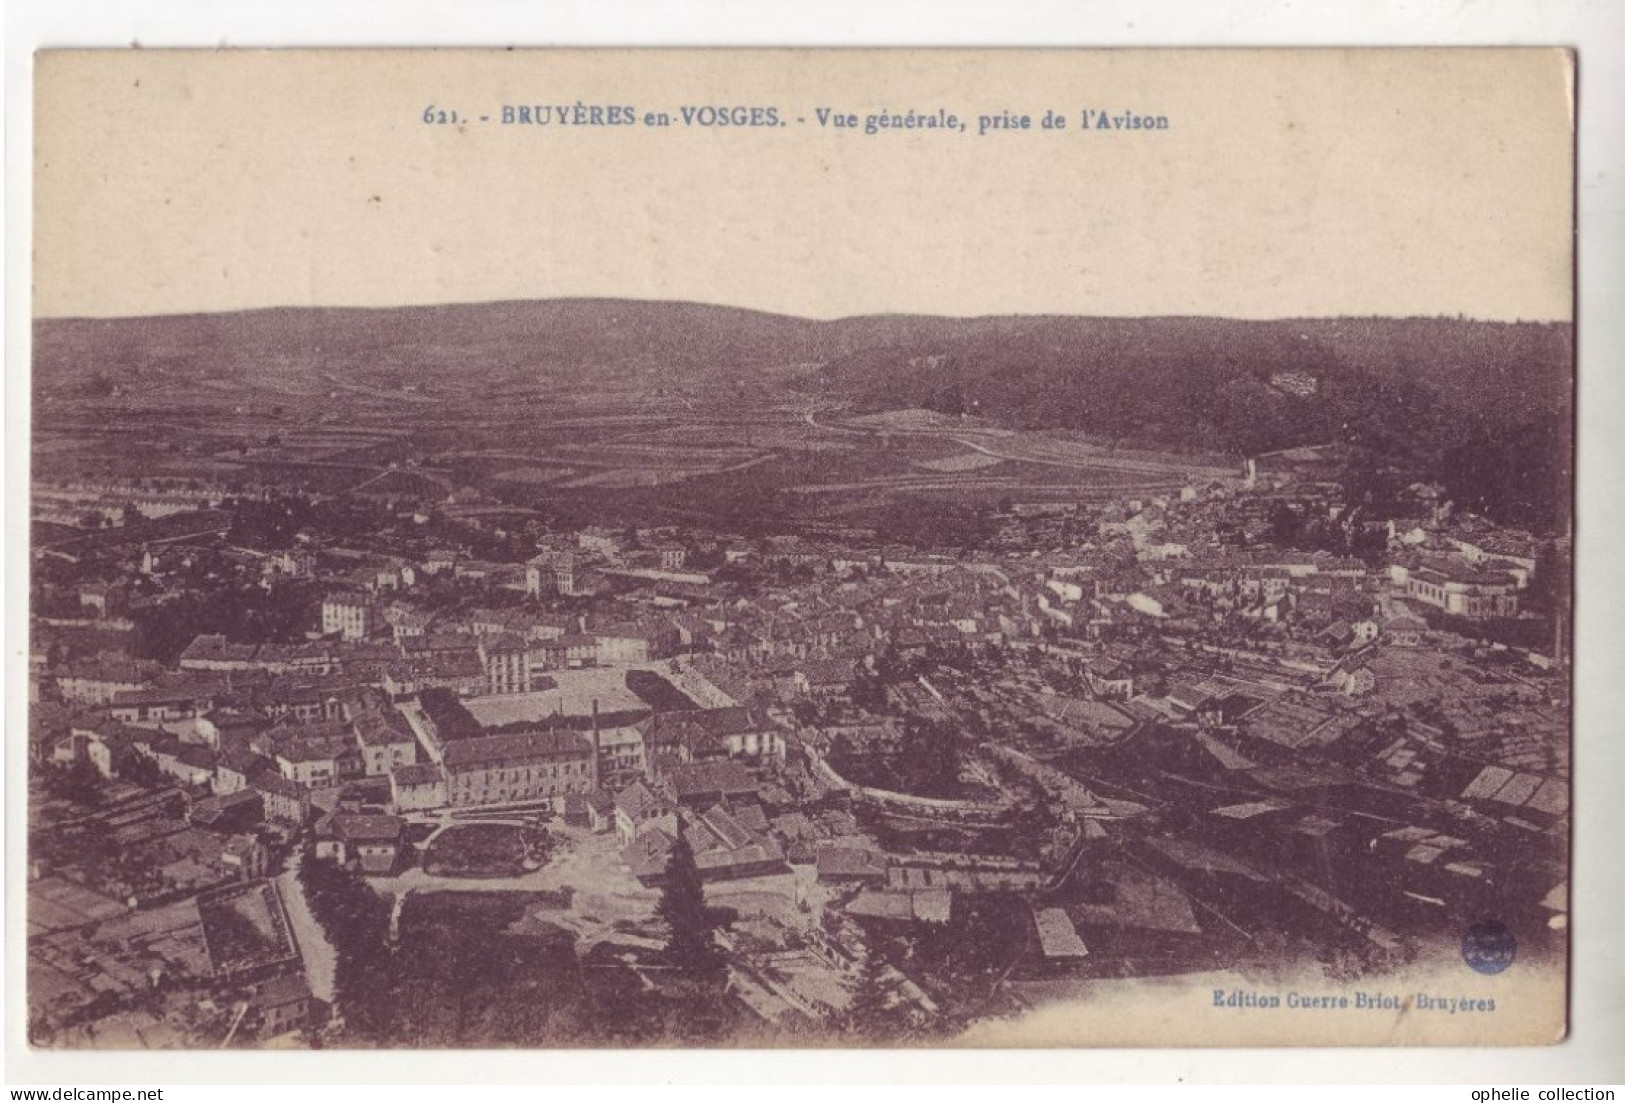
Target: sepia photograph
x,y
756,549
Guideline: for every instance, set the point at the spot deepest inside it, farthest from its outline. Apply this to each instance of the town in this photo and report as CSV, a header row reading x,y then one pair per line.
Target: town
x,y
361,747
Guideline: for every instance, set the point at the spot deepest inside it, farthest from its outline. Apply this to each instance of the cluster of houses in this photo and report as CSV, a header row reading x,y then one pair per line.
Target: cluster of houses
x,y
1317,596
1285,655
284,720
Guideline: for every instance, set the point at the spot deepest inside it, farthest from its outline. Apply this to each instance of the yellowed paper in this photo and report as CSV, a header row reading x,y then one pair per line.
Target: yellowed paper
x,y
815,547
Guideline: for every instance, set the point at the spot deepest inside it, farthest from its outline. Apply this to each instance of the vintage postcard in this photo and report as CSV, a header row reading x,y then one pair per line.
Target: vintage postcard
x,y
762,548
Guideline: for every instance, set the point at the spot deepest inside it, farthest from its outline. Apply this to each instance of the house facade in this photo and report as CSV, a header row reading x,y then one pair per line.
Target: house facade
x,y
518,767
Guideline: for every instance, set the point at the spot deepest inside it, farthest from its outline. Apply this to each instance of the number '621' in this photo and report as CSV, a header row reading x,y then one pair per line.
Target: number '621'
x,y
440,116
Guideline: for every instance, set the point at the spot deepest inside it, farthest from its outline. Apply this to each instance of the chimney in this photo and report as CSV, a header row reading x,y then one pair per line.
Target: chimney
x,y
597,743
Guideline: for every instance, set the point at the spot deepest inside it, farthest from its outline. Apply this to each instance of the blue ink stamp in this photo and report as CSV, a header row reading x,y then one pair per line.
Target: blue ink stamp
x,y
1489,947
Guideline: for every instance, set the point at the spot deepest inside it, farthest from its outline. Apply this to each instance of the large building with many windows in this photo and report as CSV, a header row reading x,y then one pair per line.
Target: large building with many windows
x,y
518,767
350,616
1466,593
506,658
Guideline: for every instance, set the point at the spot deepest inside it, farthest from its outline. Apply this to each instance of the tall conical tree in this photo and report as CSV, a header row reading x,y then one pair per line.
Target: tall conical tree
x,y
875,1015
690,943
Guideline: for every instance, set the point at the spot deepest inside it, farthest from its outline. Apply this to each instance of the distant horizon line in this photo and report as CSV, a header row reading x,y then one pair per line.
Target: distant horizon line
x,y
1036,314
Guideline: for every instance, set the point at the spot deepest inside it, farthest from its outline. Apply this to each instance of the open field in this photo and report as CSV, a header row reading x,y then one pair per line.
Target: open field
x,y
904,421
966,461
651,430
620,454
573,695
1042,448
597,447
538,476
476,850
604,892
